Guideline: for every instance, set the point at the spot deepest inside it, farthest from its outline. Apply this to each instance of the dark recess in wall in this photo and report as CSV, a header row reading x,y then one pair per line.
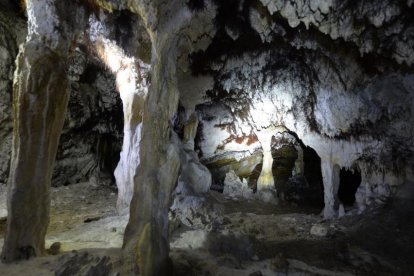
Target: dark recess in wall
x,y
348,185
195,5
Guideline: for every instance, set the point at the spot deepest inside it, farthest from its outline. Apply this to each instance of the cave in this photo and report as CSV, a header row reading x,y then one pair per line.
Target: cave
x,y
284,156
206,137
91,139
349,181
313,175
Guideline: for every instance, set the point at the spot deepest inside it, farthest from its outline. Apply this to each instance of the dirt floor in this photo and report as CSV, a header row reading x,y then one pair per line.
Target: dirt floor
x,y
244,238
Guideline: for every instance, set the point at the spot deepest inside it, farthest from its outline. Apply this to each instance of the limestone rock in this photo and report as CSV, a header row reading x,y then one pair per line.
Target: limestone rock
x,y
319,230
3,201
93,104
12,33
235,188
335,75
196,212
54,248
83,264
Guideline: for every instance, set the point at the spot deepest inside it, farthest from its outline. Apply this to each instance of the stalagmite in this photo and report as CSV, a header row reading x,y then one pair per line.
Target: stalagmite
x,y
266,181
40,101
330,174
218,98
190,131
39,110
299,168
131,82
129,158
146,236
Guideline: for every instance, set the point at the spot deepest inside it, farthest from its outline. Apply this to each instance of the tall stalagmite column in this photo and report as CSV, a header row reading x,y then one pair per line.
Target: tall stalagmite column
x,y
330,174
40,100
146,241
146,236
299,168
129,161
190,131
266,181
131,81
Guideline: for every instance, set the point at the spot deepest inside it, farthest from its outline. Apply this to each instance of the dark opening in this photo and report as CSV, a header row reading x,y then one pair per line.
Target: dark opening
x,y
348,185
196,5
313,175
313,172
284,159
108,153
305,188
91,139
124,27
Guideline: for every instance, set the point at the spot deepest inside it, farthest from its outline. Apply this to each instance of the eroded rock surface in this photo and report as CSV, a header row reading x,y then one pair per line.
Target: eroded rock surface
x,y
208,87
12,33
296,67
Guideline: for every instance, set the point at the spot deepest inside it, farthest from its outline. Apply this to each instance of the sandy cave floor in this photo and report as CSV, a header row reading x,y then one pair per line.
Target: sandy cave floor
x,y
252,238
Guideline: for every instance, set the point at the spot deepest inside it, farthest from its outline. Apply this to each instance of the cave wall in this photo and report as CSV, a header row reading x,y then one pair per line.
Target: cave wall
x,y
92,137
12,33
335,74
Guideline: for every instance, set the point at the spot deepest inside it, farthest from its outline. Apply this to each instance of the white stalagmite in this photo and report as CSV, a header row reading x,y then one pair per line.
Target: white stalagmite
x,y
265,181
330,174
131,81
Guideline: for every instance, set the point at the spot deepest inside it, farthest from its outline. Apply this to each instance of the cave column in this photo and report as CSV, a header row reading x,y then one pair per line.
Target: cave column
x,y
131,83
146,241
266,181
299,168
190,131
39,104
363,192
129,157
330,174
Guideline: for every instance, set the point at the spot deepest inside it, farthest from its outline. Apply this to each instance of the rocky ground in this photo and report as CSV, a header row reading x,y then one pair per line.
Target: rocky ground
x,y
234,237
260,239
84,227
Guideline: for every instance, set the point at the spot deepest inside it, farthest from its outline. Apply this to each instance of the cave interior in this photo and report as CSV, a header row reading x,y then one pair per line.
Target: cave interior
x,y
206,137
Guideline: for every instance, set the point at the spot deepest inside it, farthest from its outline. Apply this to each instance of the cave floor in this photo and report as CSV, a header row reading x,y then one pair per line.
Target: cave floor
x,y
83,215
251,238
277,240
83,219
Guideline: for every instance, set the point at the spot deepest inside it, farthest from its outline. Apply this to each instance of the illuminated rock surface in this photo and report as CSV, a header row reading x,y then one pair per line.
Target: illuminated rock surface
x,y
207,118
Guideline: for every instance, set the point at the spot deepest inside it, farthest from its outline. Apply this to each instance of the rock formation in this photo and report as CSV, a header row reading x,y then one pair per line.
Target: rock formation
x,y
207,87
94,104
13,32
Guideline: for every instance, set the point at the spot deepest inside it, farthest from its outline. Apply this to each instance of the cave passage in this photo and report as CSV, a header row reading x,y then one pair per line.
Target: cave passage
x,y
348,185
313,175
283,163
